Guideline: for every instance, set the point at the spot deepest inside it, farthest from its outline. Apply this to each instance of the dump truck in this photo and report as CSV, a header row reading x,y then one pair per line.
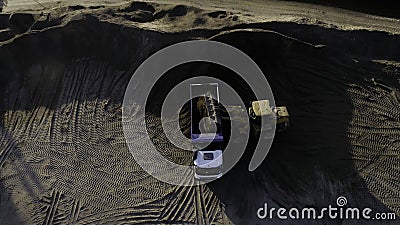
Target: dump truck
x,y
206,126
206,131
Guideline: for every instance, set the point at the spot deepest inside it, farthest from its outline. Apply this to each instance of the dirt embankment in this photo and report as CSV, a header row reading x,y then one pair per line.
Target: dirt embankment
x,y
381,8
63,154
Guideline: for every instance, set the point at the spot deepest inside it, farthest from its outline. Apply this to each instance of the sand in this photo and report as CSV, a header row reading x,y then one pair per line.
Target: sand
x,y
64,69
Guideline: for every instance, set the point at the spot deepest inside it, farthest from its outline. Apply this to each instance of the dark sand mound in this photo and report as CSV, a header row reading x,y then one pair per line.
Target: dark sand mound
x,y
382,8
63,154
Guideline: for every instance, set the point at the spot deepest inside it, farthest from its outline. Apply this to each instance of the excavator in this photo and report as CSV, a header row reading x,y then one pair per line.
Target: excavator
x,y
262,109
259,112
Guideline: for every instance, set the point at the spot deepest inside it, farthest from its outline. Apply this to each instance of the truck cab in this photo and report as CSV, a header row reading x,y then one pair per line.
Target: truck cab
x,y
208,162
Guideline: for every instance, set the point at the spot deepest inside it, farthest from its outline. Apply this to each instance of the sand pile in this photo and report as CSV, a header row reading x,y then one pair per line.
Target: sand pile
x,y
63,155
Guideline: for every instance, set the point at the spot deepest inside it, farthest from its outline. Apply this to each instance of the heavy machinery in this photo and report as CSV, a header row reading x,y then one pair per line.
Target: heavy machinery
x,y
206,126
262,109
262,118
206,131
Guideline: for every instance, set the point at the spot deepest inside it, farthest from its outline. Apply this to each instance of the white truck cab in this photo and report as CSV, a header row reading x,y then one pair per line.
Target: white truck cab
x,y
208,164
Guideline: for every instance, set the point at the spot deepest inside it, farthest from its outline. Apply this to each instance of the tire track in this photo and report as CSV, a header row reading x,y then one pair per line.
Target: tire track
x,y
74,215
52,208
373,134
7,144
182,206
201,209
133,214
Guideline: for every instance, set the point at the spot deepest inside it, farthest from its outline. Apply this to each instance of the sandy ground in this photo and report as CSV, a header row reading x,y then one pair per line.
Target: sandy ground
x,y
249,11
64,69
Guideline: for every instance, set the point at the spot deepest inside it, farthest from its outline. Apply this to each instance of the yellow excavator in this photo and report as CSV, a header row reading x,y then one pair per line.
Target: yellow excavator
x,y
259,112
262,109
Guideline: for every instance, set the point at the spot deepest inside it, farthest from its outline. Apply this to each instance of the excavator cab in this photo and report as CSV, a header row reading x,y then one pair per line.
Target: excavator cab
x,y
282,120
